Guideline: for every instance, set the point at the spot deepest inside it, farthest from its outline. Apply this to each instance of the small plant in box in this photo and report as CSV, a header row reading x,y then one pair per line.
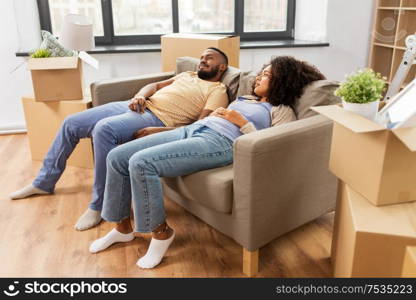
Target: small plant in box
x,y
361,92
41,53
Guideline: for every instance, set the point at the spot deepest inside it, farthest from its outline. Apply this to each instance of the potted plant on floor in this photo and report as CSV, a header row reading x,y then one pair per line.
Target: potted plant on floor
x,y
361,92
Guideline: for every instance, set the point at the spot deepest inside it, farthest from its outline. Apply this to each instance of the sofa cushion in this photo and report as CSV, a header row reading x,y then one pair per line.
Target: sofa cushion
x,y
211,188
317,93
230,78
184,64
245,85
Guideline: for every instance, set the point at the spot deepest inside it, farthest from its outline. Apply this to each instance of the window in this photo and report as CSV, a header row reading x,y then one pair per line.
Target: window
x,y
132,17
202,16
90,8
118,22
264,15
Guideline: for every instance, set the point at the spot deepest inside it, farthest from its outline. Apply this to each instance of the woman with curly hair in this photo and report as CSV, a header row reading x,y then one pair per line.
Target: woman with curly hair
x,y
134,169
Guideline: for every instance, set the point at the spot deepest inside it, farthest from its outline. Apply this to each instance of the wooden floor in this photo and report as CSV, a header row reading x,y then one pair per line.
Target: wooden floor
x,y
37,238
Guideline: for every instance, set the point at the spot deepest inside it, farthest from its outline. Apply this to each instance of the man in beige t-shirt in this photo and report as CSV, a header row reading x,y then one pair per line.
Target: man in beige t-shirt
x,y
158,106
186,97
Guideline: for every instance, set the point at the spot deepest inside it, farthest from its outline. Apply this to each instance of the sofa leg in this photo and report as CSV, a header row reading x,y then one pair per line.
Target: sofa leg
x,y
250,262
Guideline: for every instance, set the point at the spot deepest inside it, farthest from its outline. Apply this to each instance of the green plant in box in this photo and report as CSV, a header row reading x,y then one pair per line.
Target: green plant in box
x,y
361,93
41,53
362,87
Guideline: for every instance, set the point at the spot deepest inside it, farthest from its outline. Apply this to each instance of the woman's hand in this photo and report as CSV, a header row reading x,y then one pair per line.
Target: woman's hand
x,y
138,102
230,115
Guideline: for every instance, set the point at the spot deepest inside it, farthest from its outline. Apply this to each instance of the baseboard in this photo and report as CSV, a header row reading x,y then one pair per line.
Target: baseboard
x,y
13,129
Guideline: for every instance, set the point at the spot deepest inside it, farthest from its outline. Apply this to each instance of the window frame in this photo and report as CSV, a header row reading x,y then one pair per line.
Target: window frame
x,y
110,39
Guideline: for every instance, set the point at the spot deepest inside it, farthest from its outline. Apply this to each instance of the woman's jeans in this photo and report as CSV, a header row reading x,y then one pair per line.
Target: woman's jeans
x,y
109,125
134,170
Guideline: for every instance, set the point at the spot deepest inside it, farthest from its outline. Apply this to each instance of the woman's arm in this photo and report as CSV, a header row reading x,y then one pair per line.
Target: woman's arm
x,y
279,114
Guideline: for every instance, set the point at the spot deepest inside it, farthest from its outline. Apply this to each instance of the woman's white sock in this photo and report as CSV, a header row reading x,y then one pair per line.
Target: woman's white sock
x,y
114,236
26,192
155,253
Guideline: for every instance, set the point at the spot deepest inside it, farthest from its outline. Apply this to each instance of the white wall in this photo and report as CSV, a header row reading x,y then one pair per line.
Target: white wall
x,y
345,24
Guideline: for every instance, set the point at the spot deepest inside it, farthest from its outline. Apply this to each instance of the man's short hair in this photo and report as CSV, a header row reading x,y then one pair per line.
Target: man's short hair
x,y
220,52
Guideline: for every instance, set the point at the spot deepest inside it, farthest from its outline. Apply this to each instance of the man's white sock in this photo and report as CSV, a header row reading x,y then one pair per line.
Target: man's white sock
x,y
26,192
114,236
155,253
89,219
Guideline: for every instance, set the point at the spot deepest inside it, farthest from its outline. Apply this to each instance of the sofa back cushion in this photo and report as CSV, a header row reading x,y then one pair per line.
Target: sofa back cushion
x,y
230,78
246,83
317,93
240,83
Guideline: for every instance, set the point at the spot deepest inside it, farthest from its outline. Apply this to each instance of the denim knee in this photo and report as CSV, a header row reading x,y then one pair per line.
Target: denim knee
x,y
103,130
71,126
117,161
139,163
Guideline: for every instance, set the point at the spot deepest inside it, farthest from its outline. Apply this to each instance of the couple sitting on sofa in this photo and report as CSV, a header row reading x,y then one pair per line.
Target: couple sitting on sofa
x,y
131,172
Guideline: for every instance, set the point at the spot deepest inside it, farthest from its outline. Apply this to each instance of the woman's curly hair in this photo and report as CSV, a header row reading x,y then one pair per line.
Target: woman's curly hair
x,y
289,77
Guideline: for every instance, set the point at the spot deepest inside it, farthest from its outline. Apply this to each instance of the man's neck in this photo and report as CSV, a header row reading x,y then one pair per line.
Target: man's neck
x,y
214,79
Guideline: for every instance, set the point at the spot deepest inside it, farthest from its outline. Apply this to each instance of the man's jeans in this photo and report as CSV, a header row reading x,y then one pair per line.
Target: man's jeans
x,y
109,125
134,170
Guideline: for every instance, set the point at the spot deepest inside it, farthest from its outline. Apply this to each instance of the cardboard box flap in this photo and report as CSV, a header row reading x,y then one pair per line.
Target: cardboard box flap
x,y
395,220
348,119
407,136
52,63
197,36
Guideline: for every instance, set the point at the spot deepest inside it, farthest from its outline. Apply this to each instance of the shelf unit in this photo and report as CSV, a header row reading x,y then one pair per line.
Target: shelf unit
x,y
394,20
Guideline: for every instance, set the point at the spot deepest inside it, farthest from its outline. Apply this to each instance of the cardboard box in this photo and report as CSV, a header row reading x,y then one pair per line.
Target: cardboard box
x,y
409,263
376,162
178,44
56,78
43,120
370,241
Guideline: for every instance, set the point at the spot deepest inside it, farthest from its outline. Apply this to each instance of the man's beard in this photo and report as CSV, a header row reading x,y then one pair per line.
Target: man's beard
x,y
208,74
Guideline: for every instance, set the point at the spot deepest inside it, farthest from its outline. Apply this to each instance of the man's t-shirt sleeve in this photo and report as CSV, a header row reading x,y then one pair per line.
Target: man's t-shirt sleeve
x,y
217,98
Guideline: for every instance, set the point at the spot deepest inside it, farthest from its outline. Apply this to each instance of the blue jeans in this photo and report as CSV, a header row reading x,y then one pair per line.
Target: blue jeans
x,y
109,125
134,170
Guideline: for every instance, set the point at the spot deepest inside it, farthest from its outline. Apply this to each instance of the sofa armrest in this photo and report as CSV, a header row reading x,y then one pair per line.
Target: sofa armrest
x,y
281,178
119,89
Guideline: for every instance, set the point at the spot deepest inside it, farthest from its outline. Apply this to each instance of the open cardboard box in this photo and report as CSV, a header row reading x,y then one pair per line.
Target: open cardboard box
x,y
370,241
377,162
409,263
56,78
181,44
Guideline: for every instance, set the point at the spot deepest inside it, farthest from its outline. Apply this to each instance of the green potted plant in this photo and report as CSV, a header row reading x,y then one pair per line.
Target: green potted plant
x,y
361,92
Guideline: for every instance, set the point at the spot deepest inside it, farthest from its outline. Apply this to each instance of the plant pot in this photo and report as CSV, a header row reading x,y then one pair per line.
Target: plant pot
x,y
367,110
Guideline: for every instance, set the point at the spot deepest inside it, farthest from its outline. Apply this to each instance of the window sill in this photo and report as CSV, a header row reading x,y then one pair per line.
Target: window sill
x,y
157,47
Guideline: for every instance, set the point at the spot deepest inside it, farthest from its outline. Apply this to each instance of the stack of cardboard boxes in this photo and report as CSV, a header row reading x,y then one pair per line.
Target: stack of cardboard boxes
x,y
58,93
375,218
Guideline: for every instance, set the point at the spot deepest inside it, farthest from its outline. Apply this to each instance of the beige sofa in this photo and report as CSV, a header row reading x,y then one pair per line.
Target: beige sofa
x,y
279,179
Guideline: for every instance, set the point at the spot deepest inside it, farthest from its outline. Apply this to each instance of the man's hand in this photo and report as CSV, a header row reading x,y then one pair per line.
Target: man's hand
x,y
138,102
230,115
149,130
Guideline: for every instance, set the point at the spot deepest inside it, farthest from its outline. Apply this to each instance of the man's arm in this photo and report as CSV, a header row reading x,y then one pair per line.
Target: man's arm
x,y
139,100
149,89
204,113
150,130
